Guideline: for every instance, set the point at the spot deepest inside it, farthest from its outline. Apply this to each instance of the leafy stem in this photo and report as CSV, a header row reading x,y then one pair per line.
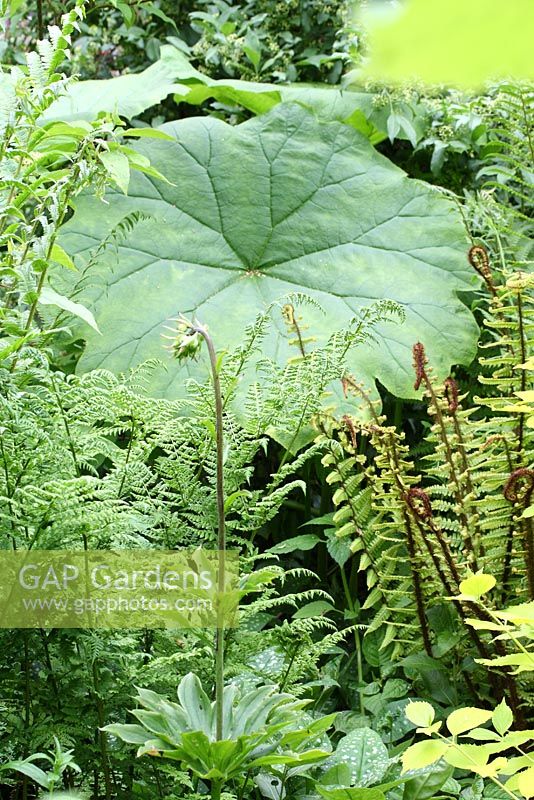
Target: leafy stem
x,y
496,781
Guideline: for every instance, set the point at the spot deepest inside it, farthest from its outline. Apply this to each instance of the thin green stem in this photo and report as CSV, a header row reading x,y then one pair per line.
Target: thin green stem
x,y
221,535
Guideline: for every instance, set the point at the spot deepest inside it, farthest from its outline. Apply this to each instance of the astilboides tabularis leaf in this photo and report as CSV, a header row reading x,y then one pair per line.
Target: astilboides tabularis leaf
x,y
280,204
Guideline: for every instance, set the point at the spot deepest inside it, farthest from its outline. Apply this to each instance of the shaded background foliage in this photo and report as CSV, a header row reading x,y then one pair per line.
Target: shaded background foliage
x,y
95,457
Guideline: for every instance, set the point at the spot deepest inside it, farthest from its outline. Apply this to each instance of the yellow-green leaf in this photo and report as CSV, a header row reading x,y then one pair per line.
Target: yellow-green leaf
x,y
519,615
420,713
502,717
492,769
525,782
467,756
58,255
527,396
147,133
118,167
477,585
464,719
49,297
423,754
524,662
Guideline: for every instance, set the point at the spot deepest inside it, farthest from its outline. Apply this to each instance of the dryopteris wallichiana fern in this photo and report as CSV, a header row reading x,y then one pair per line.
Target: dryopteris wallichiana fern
x,y
419,529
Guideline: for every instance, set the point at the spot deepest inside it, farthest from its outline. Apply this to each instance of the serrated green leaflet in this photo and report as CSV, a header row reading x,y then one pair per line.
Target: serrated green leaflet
x,y
279,204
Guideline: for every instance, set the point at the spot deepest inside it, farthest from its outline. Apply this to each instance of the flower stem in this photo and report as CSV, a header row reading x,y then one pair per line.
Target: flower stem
x,y
221,535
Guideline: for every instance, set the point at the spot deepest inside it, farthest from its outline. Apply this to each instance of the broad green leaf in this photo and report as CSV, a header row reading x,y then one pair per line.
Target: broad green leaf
x,y
279,204
338,549
427,784
154,722
423,754
33,772
269,785
395,688
468,756
525,782
58,255
127,12
314,609
433,42
118,167
336,775
306,541
477,585
62,130
351,793
133,734
195,703
253,710
364,753
128,95
49,297
464,719
420,713
502,717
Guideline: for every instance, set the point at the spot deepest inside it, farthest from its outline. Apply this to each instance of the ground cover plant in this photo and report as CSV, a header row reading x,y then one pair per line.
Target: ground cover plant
x,y
253,301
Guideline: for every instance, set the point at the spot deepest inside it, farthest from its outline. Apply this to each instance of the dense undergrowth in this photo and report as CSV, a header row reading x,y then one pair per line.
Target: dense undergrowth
x,y
250,302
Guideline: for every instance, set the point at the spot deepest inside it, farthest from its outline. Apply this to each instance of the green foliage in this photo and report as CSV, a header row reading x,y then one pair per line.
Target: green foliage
x,y
93,461
417,527
362,752
243,242
278,41
262,729
128,95
60,762
512,774
282,41
42,168
375,112
365,555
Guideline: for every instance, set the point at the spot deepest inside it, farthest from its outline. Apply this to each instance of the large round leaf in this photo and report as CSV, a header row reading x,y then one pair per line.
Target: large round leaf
x,y
279,204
